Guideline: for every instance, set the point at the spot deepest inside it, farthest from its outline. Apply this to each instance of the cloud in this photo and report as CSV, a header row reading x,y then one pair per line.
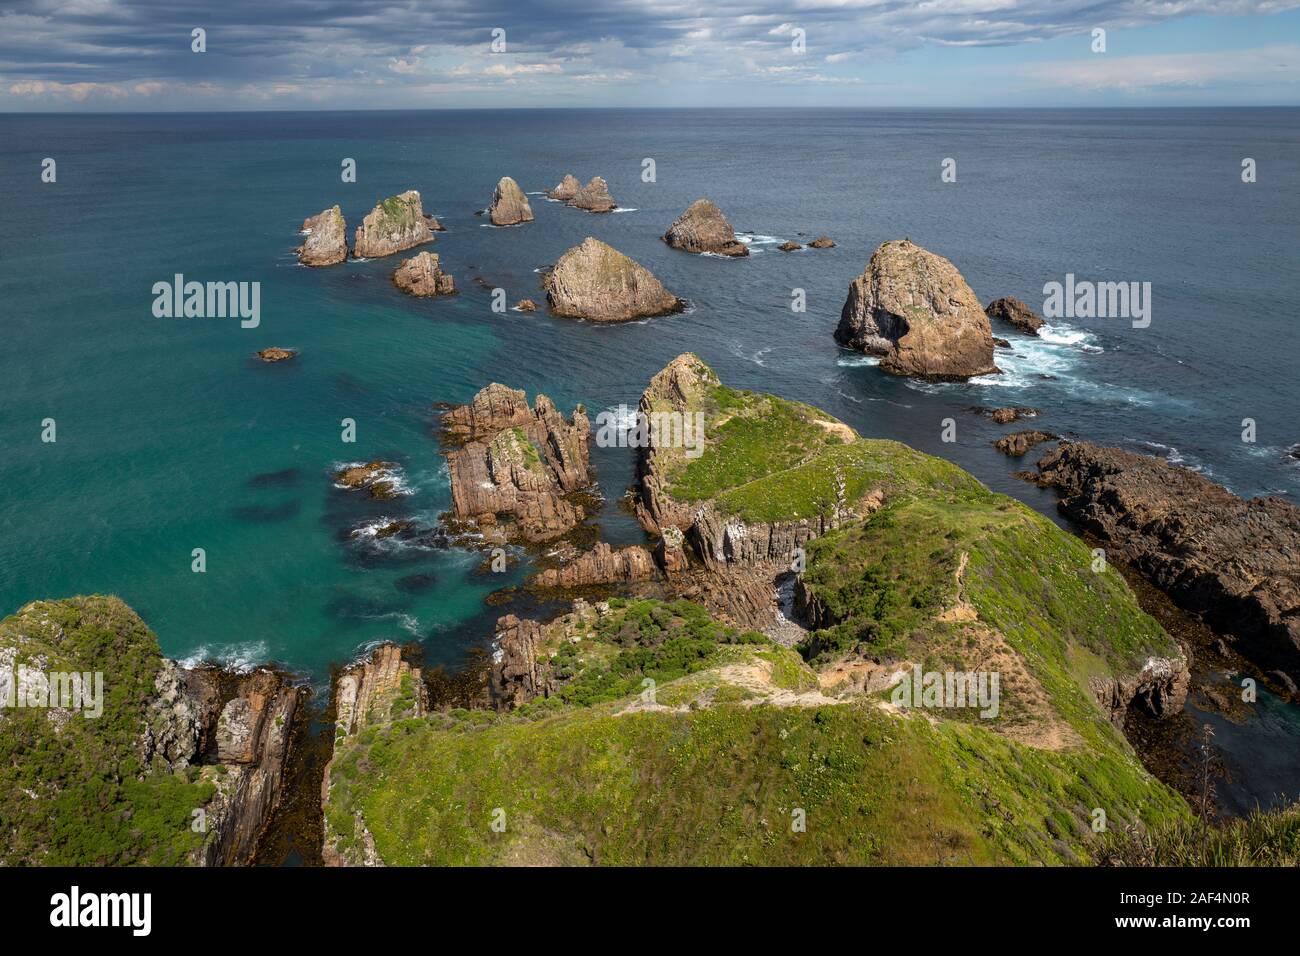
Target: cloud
x,y
1276,64
395,52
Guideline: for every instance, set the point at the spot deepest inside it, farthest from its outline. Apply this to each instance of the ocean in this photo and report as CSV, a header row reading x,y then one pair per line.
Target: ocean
x,y
171,436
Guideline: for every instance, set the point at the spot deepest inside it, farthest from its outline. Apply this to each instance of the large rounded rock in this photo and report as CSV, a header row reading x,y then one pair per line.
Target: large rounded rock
x,y
703,228
326,243
913,308
509,204
597,282
423,276
395,224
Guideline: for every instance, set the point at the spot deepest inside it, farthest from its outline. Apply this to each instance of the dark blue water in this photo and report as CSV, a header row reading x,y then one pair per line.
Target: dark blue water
x,y
170,437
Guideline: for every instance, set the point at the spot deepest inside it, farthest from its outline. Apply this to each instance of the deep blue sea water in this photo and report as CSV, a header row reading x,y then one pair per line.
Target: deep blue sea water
x,y
172,437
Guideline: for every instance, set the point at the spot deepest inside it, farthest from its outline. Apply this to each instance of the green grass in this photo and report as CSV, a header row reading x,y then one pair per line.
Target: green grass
x,y
1265,838
79,795
720,786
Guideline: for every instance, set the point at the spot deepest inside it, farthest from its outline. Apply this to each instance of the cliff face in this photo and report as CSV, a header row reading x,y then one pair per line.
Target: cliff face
x,y
422,275
179,766
703,228
594,281
395,224
370,692
515,468
509,204
1235,563
913,308
326,243
247,735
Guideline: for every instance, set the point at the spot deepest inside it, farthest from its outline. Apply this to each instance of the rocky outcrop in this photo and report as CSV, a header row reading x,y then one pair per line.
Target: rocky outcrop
x,y
395,224
373,691
509,204
1011,413
327,241
516,467
703,228
1019,443
822,242
518,674
789,246
594,197
913,308
1016,314
1233,562
276,354
376,477
422,275
566,189
243,723
1159,688
601,565
526,305
597,282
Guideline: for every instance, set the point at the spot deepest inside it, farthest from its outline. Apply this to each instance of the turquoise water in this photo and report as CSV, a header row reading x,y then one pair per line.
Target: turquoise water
x,y
171,436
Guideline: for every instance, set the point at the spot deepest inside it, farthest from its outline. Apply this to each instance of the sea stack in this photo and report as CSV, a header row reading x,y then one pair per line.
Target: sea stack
x,y
594,197
703,228
395,224
597,282
913,308
566,189
509,204
423,276
1016,314
326,243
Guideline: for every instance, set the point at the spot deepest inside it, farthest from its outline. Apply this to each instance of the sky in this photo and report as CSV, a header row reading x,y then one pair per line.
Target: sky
x,y
139,55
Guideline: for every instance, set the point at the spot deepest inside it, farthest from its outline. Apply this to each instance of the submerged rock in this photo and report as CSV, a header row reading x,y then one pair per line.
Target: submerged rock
x,y
594,197
597,282
276,354
526,305
422,275
566,189
509,204
914,308
703,228
1019,443
326,243
376,477
1015,313
395,224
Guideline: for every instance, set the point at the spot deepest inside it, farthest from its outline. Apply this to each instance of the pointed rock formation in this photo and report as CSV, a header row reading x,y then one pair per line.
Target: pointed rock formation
x,y
423,276
395,224
509,204
914,308
566,189
326,243
597,282
703,228
1015,313
594,197
516,466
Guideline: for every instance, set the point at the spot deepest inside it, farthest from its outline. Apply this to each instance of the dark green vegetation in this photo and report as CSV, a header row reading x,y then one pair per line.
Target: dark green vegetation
x,y
72,789
1265,838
